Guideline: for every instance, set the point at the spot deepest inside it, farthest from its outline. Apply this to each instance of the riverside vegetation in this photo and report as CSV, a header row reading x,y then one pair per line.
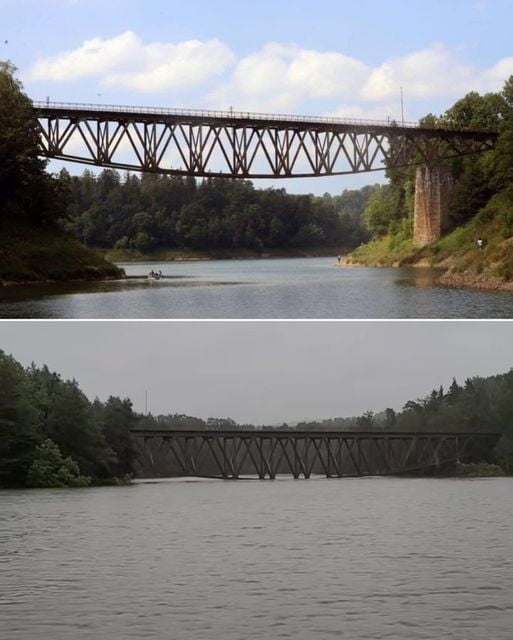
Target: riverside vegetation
x,y
481,205
52,435
33,245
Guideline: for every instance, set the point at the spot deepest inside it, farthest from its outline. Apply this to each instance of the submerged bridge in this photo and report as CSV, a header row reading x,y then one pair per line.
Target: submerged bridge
x,y
267,453
229,144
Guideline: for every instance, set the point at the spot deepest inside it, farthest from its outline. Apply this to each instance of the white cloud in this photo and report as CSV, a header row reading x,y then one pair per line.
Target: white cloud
x,y
495,77
434,72
125,61
380,111
431,72
277,77
282,76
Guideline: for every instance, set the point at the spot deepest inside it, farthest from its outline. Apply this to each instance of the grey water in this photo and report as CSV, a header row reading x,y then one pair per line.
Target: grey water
x,y
386,558
277,288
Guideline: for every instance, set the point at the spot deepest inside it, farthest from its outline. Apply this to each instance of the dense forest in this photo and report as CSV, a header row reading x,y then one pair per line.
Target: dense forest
x,y
152,212
52,435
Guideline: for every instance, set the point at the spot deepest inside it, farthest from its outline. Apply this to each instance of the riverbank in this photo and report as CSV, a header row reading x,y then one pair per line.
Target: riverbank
x,y
31,255
463,263
186,255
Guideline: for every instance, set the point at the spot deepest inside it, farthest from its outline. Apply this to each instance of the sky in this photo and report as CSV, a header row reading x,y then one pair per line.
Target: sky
x,y
263,372
329,57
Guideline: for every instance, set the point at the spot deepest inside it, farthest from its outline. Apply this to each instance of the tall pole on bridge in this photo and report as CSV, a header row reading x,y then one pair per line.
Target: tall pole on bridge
x,y
402,106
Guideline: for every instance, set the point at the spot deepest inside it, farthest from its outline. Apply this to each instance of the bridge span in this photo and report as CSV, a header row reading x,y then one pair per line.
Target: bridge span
x,y
267,453
229,144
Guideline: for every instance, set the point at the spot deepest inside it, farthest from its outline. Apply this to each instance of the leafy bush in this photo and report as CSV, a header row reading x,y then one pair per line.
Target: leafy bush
x,y
483,470
52,470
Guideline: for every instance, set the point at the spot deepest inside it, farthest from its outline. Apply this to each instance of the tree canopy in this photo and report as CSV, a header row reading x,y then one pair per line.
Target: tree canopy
x,y
478,178
151,212
27,191
51,434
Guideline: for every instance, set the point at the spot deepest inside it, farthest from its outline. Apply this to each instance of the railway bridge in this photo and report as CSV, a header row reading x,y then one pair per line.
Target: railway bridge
x,y
230,144
267,453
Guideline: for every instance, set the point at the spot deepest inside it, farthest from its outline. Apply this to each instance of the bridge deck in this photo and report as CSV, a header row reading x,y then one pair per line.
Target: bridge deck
x,y
296,433
246,118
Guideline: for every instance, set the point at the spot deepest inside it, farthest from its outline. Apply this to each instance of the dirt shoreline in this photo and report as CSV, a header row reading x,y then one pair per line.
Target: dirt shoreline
x,y
170,256
448,278
27,283
472,281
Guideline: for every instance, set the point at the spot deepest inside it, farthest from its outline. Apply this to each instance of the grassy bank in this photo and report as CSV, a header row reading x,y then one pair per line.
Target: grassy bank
x,y
457,252
36,255
170,255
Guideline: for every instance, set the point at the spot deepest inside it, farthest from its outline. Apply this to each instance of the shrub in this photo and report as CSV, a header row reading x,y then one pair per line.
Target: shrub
x,y
483,470
52,470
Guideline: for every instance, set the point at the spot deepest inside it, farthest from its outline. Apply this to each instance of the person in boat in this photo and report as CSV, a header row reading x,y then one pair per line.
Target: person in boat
x,y
339,259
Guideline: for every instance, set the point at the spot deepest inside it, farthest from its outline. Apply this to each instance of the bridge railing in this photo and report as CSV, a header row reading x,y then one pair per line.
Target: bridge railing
x,y
238,115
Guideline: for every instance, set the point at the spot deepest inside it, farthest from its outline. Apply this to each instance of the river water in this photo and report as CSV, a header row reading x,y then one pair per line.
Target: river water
x,y
396,559
279,288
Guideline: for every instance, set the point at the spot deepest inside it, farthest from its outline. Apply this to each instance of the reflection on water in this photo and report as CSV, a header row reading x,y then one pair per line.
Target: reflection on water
x,y
360,559
282,288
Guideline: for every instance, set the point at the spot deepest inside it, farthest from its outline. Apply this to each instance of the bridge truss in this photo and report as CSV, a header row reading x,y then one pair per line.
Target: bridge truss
x,y
268,453
241,145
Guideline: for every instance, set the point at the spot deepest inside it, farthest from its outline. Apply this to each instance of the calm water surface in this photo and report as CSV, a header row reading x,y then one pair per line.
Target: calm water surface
x,y
284,288
301,560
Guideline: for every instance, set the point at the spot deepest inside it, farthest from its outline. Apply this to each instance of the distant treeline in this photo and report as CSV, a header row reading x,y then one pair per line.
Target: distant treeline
x,y
152,212
52,435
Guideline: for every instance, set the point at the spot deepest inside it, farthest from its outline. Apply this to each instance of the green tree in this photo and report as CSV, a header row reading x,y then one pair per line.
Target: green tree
x,y
51,469
117,419
381,211
72,425
26,190
18,434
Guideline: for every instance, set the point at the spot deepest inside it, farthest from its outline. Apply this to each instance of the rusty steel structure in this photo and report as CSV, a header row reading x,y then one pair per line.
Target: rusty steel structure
x,y
228,144
267,453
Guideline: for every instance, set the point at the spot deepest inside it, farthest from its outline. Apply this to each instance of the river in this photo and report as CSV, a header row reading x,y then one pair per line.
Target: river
x,y
278,288
387,558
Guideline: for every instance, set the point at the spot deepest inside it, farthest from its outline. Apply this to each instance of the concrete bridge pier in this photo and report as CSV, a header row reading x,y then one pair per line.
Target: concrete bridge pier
x,y
433,188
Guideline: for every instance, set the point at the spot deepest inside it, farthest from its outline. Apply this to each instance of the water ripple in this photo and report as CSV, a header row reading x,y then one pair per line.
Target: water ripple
x,y
398,560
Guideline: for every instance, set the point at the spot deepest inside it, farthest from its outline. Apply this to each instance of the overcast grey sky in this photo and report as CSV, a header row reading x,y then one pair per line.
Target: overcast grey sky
x,y
263,372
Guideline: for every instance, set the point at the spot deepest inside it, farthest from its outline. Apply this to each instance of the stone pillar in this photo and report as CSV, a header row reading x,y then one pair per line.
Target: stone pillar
x,y
433,188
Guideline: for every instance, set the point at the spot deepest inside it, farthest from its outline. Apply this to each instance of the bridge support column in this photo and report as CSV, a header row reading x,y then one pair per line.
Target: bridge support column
x,y
433,188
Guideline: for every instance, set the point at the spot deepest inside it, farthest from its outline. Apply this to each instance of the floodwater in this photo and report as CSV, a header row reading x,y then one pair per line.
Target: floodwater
x,y
277,288
387,558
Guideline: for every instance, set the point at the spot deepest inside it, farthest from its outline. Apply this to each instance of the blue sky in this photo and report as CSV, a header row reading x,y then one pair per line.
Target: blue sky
x,y
325,57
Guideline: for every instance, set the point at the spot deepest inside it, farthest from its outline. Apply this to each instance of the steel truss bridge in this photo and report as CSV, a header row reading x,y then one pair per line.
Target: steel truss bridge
x,y
228,144
268,453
